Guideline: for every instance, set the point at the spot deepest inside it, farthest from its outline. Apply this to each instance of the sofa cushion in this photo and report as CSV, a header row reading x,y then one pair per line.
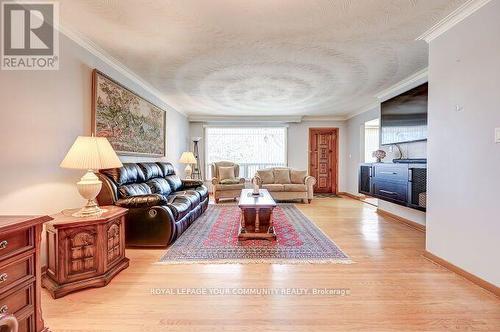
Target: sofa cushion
x,y
230,181
202,191
297,176
174,181
273,187
179,205
134,189
151,170
229,186
266,175
281,175
159,186
166,168
294,187
191,195
128,173
226,172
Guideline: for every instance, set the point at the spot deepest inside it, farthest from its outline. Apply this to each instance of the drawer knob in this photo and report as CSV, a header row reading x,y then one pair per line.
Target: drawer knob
x,y
3,244
3,277
4,309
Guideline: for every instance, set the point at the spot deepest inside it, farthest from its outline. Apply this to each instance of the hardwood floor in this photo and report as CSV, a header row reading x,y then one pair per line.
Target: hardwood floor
x,y
392,288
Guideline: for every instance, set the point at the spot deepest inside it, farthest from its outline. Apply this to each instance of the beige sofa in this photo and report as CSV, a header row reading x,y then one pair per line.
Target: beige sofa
x,y
226,188
286,183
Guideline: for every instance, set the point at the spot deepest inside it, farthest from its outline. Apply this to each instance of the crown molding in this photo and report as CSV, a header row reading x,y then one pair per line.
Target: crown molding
x,y
452,19
403,84
247,119
323,118
115,64
362,110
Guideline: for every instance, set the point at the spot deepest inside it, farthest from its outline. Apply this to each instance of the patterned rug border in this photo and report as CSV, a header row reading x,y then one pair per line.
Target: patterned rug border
x,y
285,261
277,261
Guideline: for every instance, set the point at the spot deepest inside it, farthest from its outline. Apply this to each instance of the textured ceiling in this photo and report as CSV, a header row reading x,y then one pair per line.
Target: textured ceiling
x,y
263,57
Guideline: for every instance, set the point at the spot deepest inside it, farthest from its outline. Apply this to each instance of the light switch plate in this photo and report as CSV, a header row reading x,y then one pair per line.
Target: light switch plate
x,y
497,135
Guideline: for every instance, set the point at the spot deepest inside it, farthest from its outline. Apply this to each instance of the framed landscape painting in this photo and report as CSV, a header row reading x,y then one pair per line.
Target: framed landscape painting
x,y
133,125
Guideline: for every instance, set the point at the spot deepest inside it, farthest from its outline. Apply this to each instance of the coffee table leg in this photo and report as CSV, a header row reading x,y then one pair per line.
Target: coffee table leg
x,y
271,225
257,221
242,222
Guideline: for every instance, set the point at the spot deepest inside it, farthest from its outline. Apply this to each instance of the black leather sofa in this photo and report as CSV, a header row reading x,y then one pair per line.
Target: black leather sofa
x,y
161,205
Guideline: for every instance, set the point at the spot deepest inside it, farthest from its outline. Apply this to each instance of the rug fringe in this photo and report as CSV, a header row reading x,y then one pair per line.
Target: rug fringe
x,y
259,261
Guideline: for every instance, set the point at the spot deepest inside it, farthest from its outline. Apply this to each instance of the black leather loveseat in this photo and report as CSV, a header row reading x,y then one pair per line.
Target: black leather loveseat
x,y
161,205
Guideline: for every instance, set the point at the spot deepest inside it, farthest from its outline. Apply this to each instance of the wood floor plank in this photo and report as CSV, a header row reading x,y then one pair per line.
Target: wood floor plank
x,y
392,288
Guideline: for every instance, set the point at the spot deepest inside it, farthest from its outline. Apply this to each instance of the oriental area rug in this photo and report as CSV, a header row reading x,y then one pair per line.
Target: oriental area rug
x,y
213,239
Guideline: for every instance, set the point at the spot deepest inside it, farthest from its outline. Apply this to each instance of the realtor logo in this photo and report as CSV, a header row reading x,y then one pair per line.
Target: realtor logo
x,y
30,38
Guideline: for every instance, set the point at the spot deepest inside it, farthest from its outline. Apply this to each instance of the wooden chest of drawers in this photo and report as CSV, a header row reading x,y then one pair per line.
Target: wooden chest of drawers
x,y
20,272
84,252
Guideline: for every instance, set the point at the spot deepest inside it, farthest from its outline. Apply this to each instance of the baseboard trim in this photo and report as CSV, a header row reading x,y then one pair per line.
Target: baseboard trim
x,y
461,272
402,220
358,197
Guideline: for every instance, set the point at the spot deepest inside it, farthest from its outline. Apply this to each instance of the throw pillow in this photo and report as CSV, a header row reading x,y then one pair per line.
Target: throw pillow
x,y
226,172
282,175
298,177
266,175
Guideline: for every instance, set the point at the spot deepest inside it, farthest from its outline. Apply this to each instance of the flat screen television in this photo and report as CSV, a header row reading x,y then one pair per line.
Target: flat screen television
x,y
404,118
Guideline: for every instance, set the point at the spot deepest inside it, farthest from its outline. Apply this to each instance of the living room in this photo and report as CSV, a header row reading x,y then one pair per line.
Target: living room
x,y
196,165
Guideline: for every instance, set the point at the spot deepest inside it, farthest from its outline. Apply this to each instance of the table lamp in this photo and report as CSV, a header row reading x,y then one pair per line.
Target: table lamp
x,y
188,158
91,154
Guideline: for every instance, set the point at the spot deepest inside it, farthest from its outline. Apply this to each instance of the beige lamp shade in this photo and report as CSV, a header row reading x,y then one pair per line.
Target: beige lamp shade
x,y
91,153
187,158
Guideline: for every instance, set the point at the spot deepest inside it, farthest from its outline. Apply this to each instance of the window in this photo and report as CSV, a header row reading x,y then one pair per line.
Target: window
x,y
252,148
372,138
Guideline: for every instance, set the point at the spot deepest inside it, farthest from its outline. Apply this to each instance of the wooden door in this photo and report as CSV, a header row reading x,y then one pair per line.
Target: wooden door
x,y
323,155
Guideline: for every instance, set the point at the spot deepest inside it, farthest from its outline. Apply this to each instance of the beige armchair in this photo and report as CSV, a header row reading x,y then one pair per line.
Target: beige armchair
x,y
226,185
284,183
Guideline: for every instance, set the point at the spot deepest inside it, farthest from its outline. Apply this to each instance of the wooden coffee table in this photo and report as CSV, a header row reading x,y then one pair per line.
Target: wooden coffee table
x,y
256,221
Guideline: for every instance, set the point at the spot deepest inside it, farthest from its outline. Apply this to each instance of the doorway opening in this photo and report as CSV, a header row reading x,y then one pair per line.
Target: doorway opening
x,y
371,143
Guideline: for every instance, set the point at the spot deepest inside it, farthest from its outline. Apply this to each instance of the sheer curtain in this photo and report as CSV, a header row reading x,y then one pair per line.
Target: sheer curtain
x,y
252,148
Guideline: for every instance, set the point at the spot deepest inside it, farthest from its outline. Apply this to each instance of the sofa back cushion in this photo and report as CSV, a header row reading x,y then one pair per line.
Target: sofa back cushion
x,y
226,172
166,168
266,175
128,173
159,186
151,170
297,177
174,182
133,189
281,175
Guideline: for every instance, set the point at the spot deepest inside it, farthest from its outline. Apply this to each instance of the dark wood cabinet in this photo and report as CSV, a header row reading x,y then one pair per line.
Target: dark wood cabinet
x,y
403,184
20,270
84,252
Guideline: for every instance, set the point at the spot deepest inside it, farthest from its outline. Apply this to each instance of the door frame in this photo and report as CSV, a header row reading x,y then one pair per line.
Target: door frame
x,y
334,174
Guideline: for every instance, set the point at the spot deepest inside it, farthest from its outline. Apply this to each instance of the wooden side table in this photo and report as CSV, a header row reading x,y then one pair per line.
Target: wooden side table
x,y
84,252
20,273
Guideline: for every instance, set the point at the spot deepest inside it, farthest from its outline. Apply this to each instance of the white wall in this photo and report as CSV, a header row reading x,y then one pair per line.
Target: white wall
x,y
42,112
356,146
463,223
298,143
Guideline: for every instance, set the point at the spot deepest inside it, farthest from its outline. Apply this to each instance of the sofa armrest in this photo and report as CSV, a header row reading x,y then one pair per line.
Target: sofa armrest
x,y
215,181
191,183
310,181
141,201
242,180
